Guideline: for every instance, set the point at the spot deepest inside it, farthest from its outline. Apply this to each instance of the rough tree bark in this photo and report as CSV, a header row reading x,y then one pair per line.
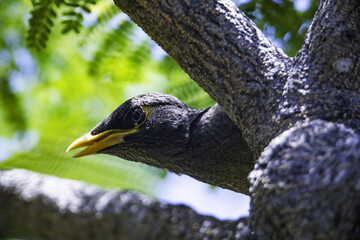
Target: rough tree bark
x,y
300,116
35,206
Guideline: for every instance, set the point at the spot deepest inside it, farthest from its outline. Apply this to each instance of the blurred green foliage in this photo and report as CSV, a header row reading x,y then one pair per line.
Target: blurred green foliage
x,y
54,87
281,21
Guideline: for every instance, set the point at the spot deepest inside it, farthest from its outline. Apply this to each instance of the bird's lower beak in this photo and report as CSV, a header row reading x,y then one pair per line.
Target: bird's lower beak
x,y
95,143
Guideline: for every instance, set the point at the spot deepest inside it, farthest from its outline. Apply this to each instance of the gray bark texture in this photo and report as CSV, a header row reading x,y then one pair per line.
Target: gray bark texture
x,y
36,206
299,116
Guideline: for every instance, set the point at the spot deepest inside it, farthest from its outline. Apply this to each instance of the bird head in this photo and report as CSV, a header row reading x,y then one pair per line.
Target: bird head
x,y
161,131
149,128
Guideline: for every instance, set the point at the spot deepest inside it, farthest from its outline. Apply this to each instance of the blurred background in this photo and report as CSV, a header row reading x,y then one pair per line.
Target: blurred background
x,y
64,66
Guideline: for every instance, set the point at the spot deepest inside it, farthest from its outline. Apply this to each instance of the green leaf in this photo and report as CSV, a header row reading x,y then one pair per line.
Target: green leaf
x,y
69,13
72,4
86,9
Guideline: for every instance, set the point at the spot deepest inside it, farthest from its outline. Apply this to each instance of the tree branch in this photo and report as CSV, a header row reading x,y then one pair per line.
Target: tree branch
x,y
306,184
336,24
224,52
325,77
37,206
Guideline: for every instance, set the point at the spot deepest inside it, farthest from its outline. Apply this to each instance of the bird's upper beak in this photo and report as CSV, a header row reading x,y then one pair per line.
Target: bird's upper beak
x,y
95,143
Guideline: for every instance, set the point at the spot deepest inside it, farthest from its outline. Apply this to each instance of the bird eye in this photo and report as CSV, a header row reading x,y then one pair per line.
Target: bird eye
x,y
137,115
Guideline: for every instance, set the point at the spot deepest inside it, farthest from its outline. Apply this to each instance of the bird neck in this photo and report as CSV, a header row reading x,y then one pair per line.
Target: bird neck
x,y
216,146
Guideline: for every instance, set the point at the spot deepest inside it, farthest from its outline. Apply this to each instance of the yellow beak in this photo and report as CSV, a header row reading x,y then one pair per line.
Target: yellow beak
x,y
95,143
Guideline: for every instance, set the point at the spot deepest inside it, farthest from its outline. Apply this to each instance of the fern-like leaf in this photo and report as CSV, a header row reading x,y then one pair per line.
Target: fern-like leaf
x,y
42,19
73,14
44,13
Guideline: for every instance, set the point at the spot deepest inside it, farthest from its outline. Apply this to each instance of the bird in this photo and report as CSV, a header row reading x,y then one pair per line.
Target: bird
x,y
159,130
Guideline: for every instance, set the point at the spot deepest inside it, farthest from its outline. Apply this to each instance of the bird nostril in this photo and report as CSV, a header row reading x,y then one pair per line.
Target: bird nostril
x,y
94,132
